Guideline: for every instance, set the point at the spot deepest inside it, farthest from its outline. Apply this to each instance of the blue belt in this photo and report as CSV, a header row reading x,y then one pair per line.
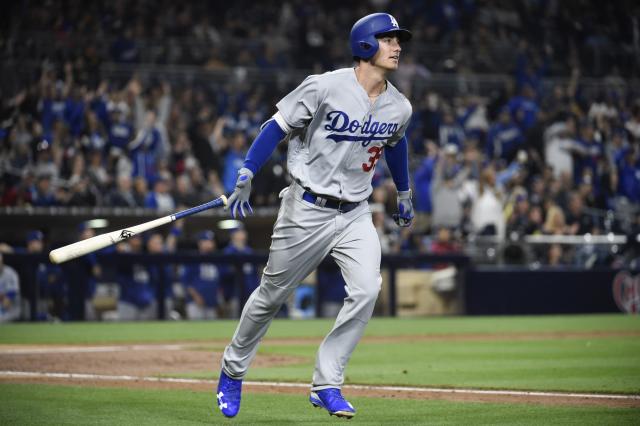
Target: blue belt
x,y
330,203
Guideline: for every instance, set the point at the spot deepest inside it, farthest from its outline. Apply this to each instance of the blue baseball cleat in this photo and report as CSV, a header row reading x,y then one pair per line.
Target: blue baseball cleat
x,y
332,400
229,394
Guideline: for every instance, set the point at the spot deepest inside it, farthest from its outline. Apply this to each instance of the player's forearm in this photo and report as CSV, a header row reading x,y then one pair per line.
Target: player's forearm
x,y
263,146
398,161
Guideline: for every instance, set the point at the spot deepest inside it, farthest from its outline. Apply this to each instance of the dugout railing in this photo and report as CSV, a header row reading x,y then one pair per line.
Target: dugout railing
x,y
27,264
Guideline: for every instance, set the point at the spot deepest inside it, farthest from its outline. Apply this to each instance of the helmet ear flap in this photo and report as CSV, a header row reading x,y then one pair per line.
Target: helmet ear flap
x,y
365,46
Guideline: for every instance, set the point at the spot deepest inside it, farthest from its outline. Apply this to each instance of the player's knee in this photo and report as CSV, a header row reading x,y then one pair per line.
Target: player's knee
x,y
371,294
369,289
268,301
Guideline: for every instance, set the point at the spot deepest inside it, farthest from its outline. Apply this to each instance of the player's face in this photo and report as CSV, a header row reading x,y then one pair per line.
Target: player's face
x,y
388,54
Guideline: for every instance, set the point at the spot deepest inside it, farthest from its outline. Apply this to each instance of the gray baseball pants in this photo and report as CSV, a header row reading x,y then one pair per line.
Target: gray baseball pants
x,y
304,234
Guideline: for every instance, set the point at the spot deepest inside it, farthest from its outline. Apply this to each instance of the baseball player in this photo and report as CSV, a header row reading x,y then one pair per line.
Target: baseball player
x,y
234,296
137,294
139,283
338,125
9,293
202,281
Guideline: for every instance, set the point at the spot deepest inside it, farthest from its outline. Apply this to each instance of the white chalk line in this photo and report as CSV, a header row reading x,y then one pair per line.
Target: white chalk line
x,y
100,377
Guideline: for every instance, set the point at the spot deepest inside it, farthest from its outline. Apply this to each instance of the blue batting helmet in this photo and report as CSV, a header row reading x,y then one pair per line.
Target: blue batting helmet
x,y
363,34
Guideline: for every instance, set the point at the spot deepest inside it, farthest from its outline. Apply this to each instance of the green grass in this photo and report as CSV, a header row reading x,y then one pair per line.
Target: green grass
x,y
64,333
64,405
607,365
576,363
595,365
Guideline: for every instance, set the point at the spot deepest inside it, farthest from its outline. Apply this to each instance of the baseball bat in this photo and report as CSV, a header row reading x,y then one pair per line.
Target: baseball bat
x,y
98,242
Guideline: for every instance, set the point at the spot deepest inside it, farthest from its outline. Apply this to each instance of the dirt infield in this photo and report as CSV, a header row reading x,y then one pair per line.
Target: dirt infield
x,y
139,360
139,366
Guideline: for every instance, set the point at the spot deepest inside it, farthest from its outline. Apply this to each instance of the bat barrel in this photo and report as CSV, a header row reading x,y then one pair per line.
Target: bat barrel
x,y
98,242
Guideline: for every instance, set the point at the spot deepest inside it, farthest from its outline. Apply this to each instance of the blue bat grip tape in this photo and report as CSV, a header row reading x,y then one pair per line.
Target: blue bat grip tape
x,y
197,209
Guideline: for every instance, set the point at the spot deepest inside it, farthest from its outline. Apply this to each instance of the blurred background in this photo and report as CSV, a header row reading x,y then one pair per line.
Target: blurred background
x,y
524,154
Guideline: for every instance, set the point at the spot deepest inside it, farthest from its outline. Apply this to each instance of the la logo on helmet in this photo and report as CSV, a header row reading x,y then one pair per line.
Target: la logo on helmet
x,y
394,23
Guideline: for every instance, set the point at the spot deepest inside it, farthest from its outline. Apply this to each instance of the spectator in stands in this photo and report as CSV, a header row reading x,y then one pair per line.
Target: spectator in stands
x,y
535,221
122,195
450,132
151,113
518,221
554,223
383,228
632,125
531,66
444,242
616,145
504,138
233,160
10,303
538,189
629,174
120,127
184,193
54,107
560,145
447,181
95,137
486,210
578,221
82,193
99,178
589,153
202,282
145,149
181,157
422,183
524,108
160,198
555,255
125,48
140,191
43,195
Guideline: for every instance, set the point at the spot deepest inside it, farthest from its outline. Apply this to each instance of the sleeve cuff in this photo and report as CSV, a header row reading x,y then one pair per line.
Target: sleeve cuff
x,y
282,122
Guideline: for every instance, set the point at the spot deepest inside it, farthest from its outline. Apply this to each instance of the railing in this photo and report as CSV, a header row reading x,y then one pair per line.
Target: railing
x,y
587,249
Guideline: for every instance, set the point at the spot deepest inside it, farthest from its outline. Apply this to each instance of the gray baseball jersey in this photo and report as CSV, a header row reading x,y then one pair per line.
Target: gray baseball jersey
x,y
338,135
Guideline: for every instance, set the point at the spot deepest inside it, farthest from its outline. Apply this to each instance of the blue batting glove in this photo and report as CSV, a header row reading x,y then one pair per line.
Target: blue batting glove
x,y
404,217
239,200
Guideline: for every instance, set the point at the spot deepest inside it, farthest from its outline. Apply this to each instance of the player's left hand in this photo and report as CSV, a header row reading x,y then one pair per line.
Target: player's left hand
x,y
239,200
404,217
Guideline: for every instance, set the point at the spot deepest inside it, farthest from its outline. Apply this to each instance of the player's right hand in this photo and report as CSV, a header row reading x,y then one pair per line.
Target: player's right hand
x,y
239,200
404,217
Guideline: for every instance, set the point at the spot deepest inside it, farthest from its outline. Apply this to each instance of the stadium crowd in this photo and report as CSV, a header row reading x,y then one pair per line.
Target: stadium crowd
x,y
472,35
537,156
